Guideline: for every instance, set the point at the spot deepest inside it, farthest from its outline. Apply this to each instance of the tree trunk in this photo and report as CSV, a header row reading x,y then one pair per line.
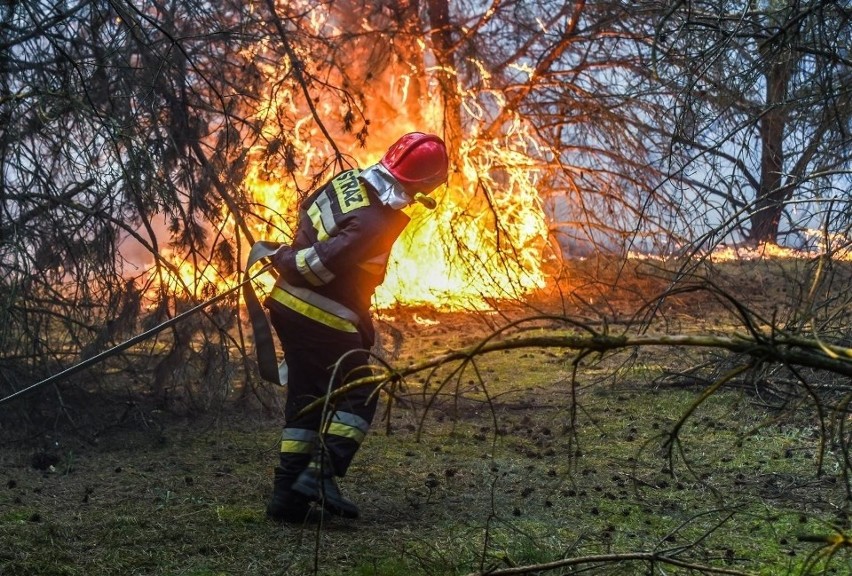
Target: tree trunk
x,y
772,193
442,43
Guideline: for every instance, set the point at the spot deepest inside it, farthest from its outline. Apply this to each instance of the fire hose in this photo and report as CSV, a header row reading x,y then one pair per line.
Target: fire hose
x,y
264,345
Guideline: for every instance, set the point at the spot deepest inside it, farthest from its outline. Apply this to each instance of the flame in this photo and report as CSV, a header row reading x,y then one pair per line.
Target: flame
x,y
473,249
420,320
817,243
485,239
483,243
175,275
762,251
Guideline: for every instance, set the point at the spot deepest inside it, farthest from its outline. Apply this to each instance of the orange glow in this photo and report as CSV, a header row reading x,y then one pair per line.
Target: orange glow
x,y
473,248
483,243
486,240
179,276
837,245
759,252
470,250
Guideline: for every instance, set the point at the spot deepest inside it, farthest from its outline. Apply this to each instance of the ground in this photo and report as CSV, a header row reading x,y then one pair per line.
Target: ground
x,y
512,462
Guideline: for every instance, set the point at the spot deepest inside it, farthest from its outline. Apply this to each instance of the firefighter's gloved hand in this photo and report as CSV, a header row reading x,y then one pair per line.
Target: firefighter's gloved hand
x,y
284,262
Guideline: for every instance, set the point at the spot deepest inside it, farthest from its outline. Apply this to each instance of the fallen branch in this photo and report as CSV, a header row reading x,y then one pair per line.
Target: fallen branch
x,y
651,557
793,351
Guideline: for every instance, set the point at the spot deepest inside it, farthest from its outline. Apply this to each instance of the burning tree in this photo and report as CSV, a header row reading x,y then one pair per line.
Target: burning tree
x,y
458,255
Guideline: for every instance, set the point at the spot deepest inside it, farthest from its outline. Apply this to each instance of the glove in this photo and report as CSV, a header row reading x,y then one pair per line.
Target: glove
x,y
284,262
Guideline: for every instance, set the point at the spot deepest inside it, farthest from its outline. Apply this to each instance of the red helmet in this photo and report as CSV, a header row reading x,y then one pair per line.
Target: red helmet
x,y
418,161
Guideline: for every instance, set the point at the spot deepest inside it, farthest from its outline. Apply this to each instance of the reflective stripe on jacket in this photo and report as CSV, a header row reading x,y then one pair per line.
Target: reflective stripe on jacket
x,y
315,307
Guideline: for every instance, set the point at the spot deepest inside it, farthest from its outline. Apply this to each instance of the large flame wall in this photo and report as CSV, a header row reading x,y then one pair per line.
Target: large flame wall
x,y
485,240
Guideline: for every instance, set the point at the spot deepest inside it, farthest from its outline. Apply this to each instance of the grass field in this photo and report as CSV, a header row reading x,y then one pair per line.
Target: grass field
x,y
515,463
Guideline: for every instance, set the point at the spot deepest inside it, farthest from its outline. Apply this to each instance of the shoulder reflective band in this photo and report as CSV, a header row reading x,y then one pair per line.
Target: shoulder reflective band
x,y
351,193
264,345
316,307
322,216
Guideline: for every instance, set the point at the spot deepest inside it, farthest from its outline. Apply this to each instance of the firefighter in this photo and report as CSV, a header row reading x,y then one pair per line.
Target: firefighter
x,y
320,309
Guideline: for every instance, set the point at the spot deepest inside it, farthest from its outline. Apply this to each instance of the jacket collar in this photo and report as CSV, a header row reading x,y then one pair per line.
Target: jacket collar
x,y
388,189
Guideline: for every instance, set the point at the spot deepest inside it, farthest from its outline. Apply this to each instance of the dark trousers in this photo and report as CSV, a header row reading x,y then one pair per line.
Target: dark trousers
x,y
319,359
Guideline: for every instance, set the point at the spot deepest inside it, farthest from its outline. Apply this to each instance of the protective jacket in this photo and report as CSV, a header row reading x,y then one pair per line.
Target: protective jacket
x,y
339,254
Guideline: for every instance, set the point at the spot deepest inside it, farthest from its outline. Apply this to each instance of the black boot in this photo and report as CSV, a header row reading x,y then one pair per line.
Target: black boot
x,y
287,505
316,484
